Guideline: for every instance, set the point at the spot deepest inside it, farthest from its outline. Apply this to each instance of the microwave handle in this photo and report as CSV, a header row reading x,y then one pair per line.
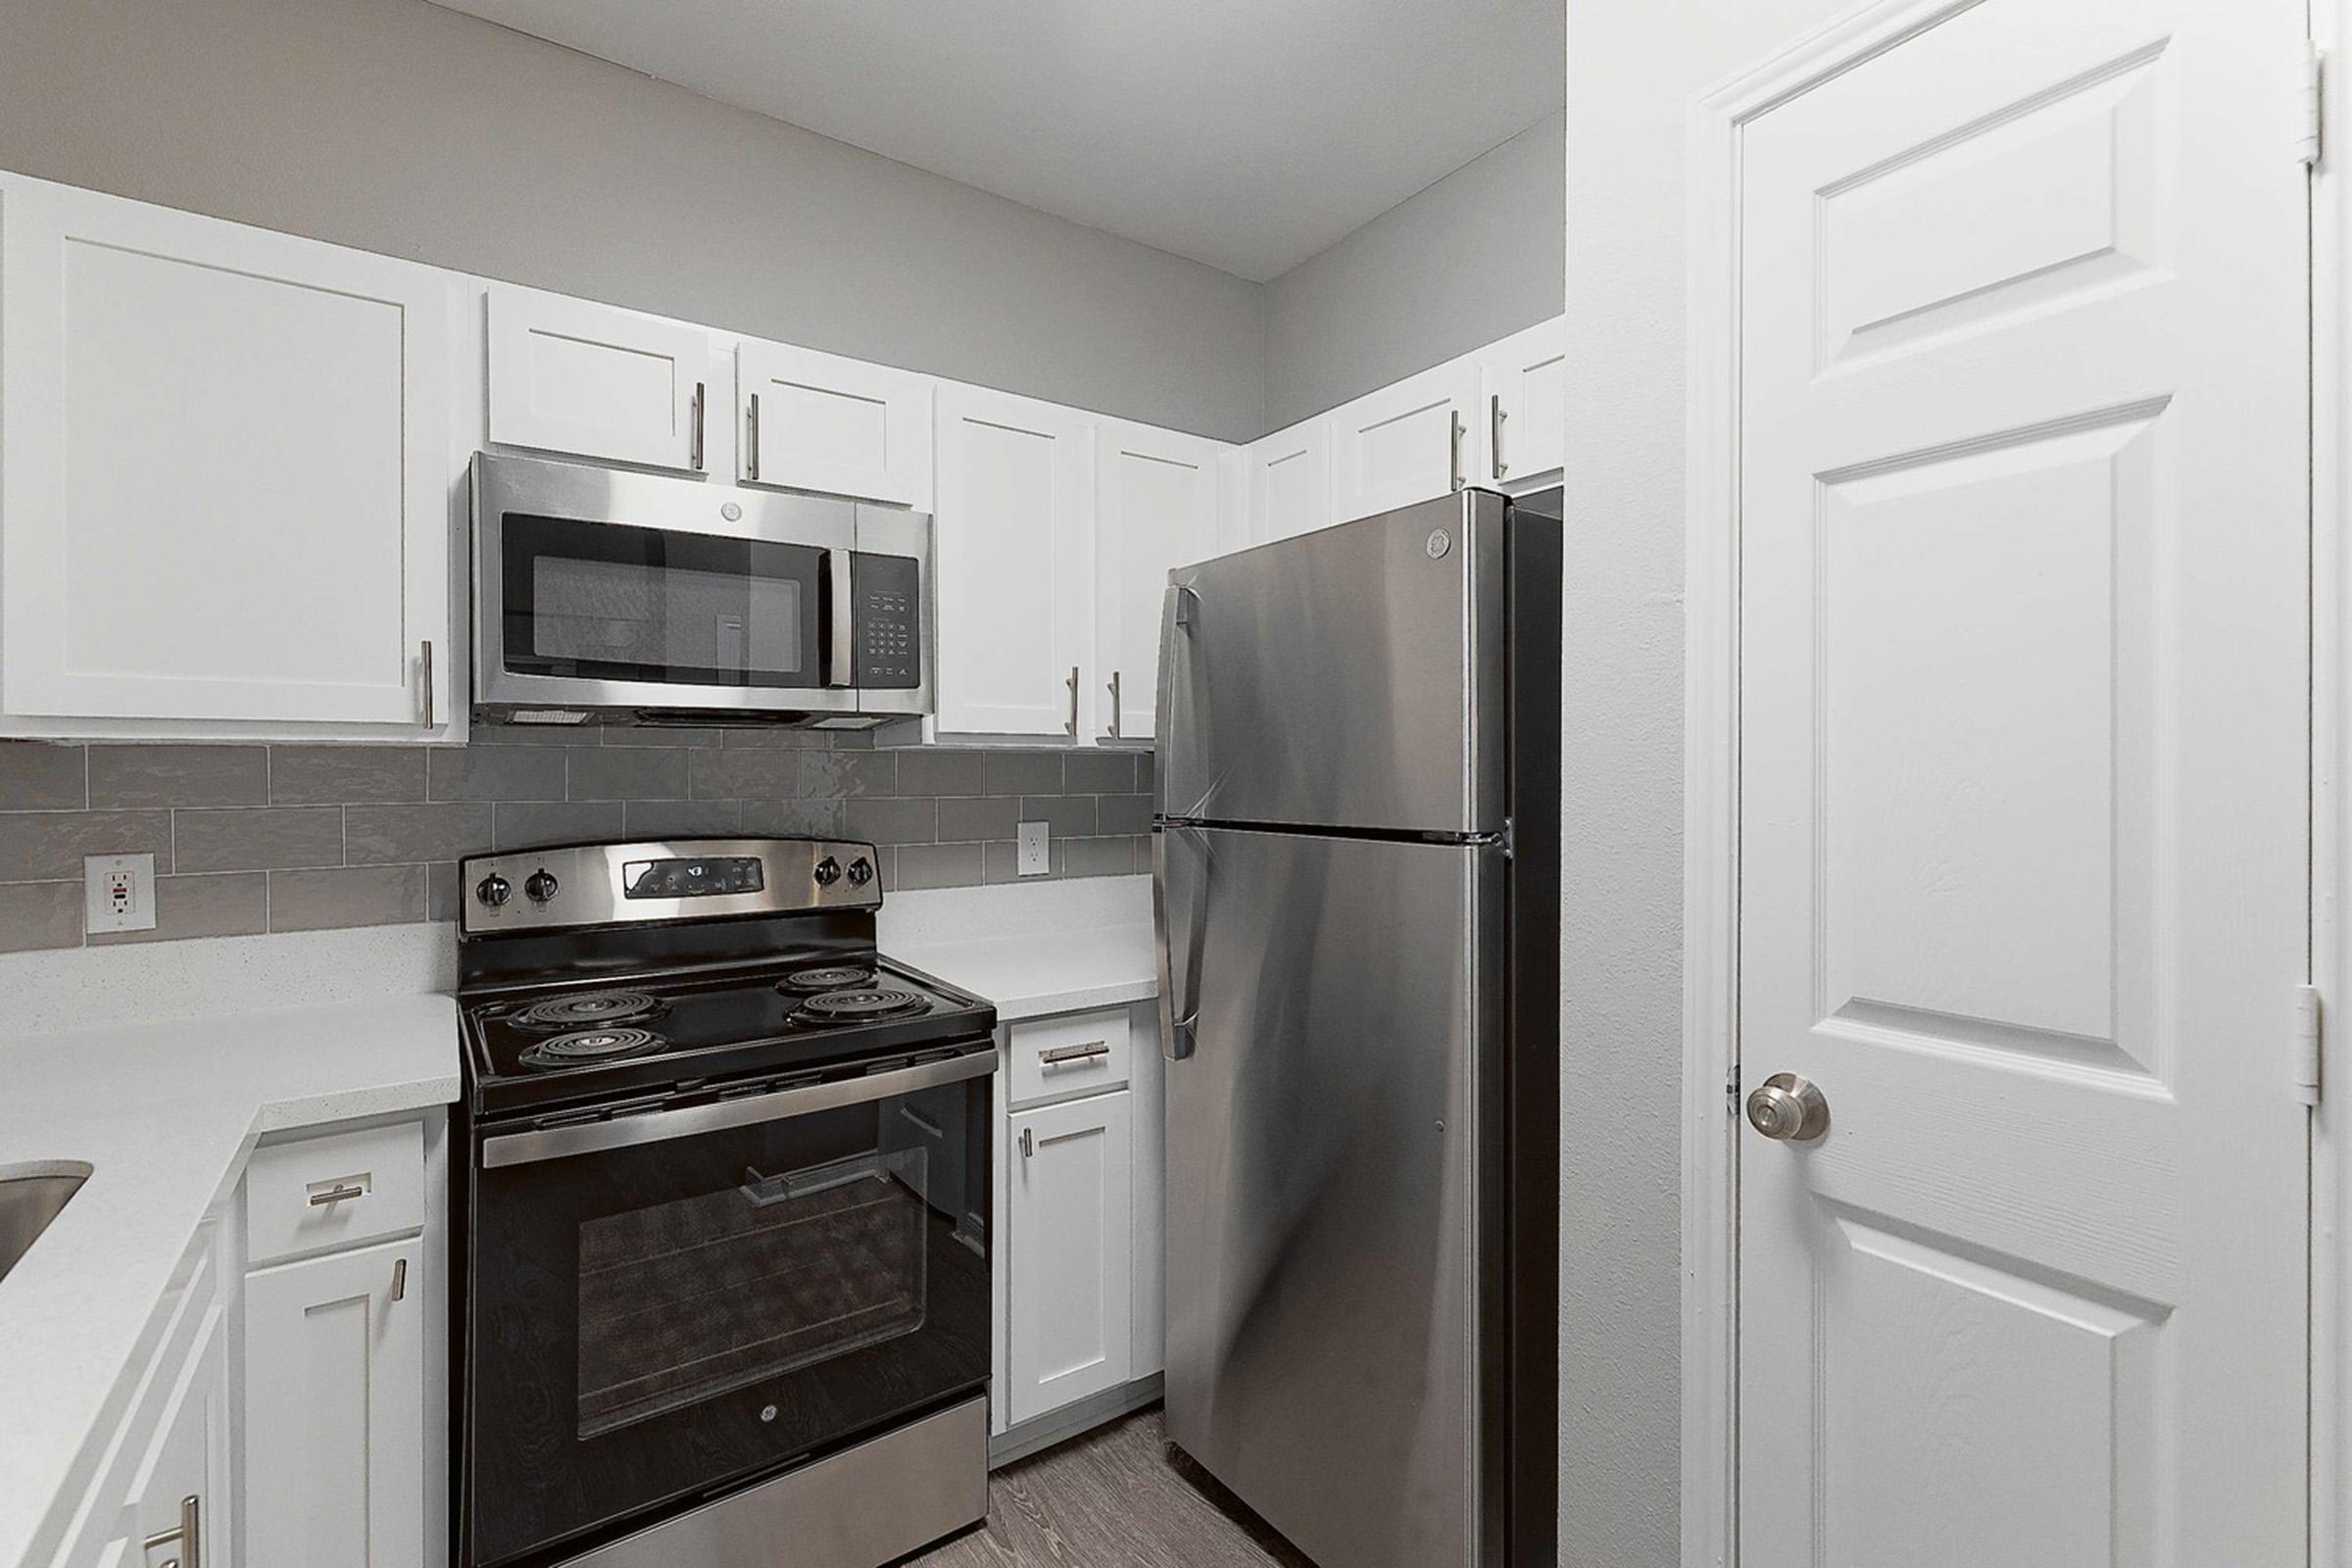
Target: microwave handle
x,y
841,656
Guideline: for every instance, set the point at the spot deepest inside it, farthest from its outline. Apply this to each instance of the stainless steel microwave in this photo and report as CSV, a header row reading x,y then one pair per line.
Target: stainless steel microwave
x,y
608,595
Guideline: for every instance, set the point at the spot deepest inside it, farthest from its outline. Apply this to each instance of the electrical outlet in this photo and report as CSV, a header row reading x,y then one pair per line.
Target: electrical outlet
x,y
118,892
1036,856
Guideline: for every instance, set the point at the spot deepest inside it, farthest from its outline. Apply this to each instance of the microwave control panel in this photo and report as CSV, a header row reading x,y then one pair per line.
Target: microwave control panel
x,y
888,590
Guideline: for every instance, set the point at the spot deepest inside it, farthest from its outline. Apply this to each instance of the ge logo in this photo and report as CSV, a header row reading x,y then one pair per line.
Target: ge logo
x,y
1440,541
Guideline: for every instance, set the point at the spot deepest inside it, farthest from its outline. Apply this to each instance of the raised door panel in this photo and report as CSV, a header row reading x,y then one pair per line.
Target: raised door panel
x,y
1014,543
1289,481
1405,443
229,476
817,421
1156,509
1524,379
1070,1252
570,376
335,1410
2023,669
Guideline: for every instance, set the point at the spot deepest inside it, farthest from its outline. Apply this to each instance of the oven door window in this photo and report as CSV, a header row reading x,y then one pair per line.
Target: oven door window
x,y
604,601
653,1321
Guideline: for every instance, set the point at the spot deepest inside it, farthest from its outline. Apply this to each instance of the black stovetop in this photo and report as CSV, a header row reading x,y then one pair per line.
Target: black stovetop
x,y
532,1046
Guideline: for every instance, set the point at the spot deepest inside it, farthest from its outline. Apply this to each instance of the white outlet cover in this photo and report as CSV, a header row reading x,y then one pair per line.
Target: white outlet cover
x,y
118,892
1036,856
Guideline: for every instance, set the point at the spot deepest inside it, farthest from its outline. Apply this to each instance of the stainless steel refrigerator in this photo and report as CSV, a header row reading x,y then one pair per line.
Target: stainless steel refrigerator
x,y
1357,860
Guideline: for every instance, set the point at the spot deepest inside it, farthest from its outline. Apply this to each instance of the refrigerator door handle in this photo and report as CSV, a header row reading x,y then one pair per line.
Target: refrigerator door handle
x,y
1178,1019
1175,614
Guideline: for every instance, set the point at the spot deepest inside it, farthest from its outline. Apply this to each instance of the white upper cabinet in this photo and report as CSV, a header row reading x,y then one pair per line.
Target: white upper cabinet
x,y
817,421
1288,478
1156,509
1523,379
1409,442
229,476
1014,551
597,381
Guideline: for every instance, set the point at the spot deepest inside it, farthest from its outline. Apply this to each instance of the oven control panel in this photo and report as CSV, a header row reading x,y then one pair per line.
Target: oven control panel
x,y
614,884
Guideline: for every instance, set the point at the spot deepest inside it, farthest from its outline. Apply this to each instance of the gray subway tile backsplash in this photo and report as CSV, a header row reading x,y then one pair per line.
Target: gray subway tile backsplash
x,y
251,838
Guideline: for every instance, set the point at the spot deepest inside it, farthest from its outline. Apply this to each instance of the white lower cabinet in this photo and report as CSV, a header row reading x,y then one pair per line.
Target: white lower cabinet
x,y
335,1410
181,1485
1068,1253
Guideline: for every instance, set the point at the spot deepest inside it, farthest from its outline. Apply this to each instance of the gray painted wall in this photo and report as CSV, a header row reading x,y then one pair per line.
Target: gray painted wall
x,y
398,126
1470,259
1634,66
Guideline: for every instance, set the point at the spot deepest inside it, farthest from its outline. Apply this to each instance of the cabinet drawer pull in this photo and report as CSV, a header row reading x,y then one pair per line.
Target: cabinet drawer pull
x,y
399,1279
425,678
1494,418
1028,1142
1073,684
694,455
337,1195
1067,1054
752,440
191,1520
1454,462
1114,705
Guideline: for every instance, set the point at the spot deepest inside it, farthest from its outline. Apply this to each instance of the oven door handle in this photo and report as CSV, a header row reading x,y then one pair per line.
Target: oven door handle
x,y
502,1150
841,617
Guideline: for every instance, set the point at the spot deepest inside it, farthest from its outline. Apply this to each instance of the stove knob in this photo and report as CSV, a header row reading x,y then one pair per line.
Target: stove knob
x,y
828,872
493,890
862,871
541,886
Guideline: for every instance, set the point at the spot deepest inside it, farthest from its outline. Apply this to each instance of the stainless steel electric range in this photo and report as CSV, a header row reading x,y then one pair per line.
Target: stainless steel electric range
x,y
722,1260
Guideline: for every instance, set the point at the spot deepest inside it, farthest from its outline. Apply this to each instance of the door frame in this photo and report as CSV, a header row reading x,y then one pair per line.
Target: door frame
x,y
1717,125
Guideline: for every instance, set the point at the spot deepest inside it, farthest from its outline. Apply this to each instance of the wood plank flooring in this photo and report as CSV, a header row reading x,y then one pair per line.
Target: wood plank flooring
x,y
1112,1498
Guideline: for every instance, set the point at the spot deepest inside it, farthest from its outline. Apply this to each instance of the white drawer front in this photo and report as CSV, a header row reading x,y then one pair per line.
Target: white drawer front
x,y
338,1191
1053,1059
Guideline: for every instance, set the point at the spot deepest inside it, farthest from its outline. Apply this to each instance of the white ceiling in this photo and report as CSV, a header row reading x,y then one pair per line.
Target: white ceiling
x,y
1249,134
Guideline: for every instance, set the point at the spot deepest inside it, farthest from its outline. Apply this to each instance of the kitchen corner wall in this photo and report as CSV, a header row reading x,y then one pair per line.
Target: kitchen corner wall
x,y
253,838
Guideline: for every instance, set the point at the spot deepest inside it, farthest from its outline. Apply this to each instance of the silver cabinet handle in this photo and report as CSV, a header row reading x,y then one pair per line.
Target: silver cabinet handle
x,y
841,660
189,1535
425,677
1494,418
1455,461
1028,1142
1066,1054
751,460
1113,731
693,451
339,1195
1072,725
399,1279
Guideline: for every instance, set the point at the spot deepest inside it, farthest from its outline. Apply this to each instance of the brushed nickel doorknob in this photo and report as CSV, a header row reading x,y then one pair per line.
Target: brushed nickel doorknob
x,y
1790,1108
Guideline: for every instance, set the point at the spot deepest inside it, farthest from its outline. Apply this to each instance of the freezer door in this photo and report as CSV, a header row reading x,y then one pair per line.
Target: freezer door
x,y
1349,677
1324,1209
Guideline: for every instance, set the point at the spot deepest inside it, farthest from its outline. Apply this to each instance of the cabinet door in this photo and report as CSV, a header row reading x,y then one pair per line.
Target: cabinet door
x,y
568,375
1155,506
1069,1251
1405,443
229,476
1524,379
182,1476
1290,482
1012,542
817,421
335,1410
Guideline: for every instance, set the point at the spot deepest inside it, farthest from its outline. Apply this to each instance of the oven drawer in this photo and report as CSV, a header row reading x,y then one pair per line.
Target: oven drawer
x,y
338,1190
1053,1059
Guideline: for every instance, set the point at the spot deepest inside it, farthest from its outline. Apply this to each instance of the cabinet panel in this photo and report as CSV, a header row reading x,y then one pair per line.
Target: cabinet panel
x,y
570,376
1070,1252
1076,1054
823,422
1148,1203
1156,508
230,474
1014,545
335,1410
183,1479
1290,482
1524,380
1405,443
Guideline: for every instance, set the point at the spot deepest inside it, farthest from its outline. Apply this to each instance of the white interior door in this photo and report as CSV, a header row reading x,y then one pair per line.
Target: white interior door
x,y
2025,603
1156,508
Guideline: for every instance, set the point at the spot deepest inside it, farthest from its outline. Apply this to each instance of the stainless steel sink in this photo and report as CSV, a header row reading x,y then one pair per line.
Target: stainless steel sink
x,y
28,1201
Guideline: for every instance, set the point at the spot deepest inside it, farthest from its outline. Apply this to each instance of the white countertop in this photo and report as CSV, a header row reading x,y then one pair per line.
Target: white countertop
x,y
166,1111
1047,947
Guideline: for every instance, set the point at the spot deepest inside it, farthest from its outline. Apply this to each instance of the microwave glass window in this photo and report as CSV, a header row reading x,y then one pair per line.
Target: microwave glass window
x,y
604,601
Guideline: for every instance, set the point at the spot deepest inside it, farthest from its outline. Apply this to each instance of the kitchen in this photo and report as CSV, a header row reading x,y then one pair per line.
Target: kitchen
x,y
837,784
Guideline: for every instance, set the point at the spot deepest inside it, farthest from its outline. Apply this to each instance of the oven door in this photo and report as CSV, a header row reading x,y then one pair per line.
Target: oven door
x,y
600,589
668,1303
